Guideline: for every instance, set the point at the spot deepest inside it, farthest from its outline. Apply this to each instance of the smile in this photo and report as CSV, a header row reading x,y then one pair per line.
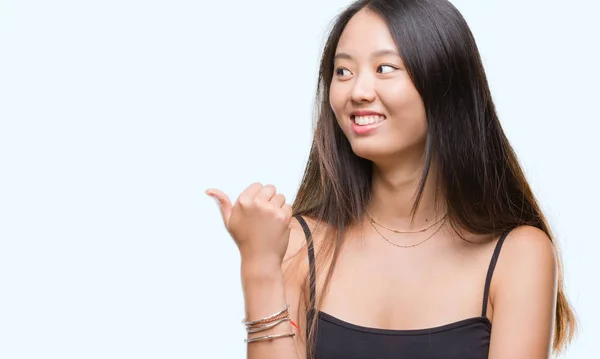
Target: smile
x,y
367,120
362,125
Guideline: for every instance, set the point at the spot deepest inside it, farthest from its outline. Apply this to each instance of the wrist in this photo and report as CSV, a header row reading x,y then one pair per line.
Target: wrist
x,y
261,270
263,287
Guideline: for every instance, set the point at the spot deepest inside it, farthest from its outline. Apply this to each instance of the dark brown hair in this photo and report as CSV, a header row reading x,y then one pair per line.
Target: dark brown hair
x,y
483,185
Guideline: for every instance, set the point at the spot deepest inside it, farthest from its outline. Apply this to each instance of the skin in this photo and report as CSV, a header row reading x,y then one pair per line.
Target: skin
x,y
523,290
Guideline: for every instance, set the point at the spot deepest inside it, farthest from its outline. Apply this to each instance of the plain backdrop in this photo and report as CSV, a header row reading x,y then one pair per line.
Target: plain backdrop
x,y
117,115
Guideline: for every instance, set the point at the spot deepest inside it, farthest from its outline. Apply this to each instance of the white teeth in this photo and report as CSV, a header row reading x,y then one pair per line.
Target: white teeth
x,y
368,120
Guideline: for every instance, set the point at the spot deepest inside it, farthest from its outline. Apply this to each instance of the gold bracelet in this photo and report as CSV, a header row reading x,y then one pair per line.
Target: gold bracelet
x,y
269,337
266,319
267,326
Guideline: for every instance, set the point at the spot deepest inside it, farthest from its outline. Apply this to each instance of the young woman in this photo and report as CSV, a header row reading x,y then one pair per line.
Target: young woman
x,y
414,233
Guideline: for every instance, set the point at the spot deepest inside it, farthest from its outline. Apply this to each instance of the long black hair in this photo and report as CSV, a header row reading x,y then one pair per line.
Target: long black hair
x,y
483,185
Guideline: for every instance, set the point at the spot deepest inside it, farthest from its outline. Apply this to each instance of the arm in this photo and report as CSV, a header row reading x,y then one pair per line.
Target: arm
x,y
260,223
266,291
524,296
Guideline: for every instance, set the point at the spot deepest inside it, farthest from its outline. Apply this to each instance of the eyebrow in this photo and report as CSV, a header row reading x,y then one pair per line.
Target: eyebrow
x,y
379,53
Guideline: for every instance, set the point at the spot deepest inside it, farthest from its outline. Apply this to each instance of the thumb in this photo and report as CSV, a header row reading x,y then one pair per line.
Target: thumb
x,y
223,202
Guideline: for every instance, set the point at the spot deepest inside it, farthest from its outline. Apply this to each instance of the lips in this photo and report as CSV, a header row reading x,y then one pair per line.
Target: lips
x,y
366,121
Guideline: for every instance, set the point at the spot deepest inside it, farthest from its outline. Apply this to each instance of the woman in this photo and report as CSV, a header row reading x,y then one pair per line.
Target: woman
x,y
414,233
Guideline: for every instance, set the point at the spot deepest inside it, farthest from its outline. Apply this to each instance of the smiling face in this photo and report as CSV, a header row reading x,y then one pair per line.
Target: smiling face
x,y
374,100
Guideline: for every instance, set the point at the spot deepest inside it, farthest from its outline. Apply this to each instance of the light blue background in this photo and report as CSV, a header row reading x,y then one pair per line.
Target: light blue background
x,y
116,115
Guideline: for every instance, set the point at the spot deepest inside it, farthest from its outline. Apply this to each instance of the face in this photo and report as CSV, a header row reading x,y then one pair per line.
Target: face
x,y
374,100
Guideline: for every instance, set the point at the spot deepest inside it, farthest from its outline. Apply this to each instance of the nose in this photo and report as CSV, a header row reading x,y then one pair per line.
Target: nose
x,y
363,89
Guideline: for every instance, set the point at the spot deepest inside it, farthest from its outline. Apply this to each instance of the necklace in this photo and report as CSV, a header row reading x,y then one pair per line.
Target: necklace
x,y
399,231
410,245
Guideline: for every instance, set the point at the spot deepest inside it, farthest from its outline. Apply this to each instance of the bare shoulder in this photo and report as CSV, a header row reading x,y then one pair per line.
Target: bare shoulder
x,y
527,267
523,295
297,240
297,252
527,252
530,248
295,268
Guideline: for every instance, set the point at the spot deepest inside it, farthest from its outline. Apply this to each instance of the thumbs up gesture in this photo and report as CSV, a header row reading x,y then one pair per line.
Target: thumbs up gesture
x,y
258,222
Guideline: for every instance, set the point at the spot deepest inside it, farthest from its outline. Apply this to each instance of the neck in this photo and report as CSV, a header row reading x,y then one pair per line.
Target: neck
x,y
393,196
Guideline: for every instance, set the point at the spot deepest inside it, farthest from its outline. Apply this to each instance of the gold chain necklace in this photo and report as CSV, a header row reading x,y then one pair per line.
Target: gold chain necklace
x,y
410,245
399,231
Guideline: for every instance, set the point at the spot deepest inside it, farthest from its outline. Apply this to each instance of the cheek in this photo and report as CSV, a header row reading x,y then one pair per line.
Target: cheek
x,y
336,100
405,107
404,102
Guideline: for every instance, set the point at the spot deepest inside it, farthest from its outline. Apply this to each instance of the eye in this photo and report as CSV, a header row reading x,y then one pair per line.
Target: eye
x,y
340,71
384,69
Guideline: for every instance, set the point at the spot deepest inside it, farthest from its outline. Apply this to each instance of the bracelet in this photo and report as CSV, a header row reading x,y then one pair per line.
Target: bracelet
x,y
269,337
286,314
267,326
266,319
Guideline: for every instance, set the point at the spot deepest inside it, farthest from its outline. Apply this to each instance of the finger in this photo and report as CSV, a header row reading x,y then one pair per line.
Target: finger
x,y
247,196
266,193
223,202
278,200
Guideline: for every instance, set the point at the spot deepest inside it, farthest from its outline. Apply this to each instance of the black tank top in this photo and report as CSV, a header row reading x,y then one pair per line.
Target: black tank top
x,y
335,338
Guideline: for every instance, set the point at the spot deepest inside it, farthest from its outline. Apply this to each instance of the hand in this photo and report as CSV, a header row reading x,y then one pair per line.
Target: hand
x,y
259,222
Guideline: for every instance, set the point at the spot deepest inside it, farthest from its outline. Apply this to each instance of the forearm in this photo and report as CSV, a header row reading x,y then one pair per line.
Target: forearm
x,y
264,294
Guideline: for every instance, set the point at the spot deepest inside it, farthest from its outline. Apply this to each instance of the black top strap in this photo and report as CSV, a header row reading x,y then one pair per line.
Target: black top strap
x,y
311,264
490,272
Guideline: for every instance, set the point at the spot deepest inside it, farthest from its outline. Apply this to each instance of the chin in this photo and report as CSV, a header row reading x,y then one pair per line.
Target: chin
x,y
372,151
378,152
